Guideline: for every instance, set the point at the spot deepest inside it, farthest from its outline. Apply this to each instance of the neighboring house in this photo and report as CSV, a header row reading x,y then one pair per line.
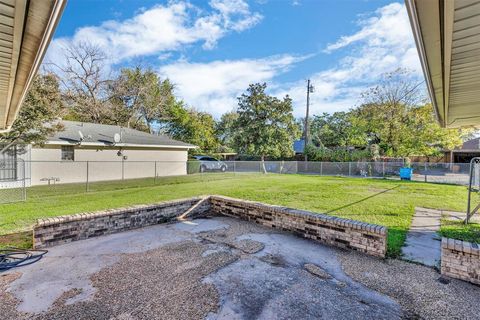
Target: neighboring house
x,y
112,153
465,153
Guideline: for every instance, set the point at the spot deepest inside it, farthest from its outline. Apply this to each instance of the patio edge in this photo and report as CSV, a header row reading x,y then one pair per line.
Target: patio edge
x,y
461,260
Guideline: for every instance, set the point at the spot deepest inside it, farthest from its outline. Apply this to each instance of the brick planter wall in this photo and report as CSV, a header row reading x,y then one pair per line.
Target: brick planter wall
x,y
63,229
364,237
461,260
344,233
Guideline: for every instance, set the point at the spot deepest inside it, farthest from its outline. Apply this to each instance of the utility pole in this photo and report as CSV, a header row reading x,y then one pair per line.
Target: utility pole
x,y
306,133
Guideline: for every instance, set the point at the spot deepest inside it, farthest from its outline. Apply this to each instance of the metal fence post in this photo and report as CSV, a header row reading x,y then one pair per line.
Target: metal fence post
x,y
234,167
24,186
86,185
349,169
383,168
321,168
123,169
425,167
155,171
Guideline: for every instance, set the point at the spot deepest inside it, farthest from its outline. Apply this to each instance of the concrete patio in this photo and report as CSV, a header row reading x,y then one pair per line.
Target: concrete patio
x,y
225,268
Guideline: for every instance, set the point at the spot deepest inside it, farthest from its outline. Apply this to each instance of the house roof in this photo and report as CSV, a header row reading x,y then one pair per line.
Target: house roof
x,y
472,145
103,135
26,28
447,34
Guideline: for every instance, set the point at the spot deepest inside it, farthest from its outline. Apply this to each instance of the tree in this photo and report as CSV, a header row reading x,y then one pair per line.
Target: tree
x,y
265,124
36,119
425,136
147,97
85,83
337,130
385,109
192,126
394,120
225,130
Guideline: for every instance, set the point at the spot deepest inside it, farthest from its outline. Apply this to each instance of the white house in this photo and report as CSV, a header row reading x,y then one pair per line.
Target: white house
x,y
99,152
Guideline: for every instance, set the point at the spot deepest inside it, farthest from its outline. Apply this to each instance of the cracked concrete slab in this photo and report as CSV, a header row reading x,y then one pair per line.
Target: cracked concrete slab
x,y
70,266
216,268
272,284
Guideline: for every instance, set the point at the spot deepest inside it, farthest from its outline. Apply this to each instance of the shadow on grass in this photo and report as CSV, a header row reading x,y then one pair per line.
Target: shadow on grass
x,y
361,200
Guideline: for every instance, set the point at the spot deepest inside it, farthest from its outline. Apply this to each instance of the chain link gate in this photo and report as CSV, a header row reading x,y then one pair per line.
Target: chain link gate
x,y
473,188
12,180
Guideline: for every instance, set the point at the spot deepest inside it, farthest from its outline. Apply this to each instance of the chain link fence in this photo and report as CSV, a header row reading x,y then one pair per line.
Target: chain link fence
x,y
33,179
12,180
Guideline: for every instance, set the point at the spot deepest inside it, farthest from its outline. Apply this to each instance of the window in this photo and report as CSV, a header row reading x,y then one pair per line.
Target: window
x,y
68,153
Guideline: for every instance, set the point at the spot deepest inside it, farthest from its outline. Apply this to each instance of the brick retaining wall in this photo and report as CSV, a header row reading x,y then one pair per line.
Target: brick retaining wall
x,y
345,233
364,237
461,260
63,229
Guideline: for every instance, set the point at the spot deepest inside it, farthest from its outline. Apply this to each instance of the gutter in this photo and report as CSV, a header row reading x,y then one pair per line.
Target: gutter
x,y
417,34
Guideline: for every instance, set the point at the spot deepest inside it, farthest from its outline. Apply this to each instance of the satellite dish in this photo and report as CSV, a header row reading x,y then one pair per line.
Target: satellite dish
x,y
117,138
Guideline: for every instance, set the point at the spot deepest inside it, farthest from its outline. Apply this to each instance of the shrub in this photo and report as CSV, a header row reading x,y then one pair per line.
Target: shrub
x,y
193,166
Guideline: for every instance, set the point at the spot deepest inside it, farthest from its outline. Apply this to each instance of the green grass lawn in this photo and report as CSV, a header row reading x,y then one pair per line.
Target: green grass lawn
x,y
458,230
386,202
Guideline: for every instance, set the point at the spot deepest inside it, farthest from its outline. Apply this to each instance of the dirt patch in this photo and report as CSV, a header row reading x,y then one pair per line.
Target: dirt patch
x,y
19,239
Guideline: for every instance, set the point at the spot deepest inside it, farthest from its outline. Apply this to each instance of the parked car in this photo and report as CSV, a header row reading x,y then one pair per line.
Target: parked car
x,y
210,164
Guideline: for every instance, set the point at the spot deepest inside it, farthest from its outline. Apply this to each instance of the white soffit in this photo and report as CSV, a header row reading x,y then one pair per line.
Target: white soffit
x,y
26,28
447,34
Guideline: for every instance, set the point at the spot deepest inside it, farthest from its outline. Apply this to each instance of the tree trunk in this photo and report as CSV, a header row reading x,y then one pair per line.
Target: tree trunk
x,y
263,165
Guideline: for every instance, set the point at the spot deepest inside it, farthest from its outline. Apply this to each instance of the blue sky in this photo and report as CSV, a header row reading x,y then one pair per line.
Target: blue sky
x,y
213,49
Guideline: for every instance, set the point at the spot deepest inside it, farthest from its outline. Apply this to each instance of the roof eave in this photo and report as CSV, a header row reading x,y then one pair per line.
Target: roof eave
x,y
121,145
417,34
28,64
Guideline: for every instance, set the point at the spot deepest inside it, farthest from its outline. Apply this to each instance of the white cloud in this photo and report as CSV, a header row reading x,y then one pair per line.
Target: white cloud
x,y
163,28
383,44
215,86
236,14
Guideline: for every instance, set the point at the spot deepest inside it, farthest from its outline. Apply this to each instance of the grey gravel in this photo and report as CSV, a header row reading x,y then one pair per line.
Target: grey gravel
x,y
420,290
8,303
164,283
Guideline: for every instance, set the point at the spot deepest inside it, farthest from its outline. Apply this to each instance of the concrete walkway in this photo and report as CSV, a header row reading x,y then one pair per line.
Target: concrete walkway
x,y
423,244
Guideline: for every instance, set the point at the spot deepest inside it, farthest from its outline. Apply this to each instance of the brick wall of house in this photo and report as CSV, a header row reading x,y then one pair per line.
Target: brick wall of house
x,y
461,260
364,237
63,229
